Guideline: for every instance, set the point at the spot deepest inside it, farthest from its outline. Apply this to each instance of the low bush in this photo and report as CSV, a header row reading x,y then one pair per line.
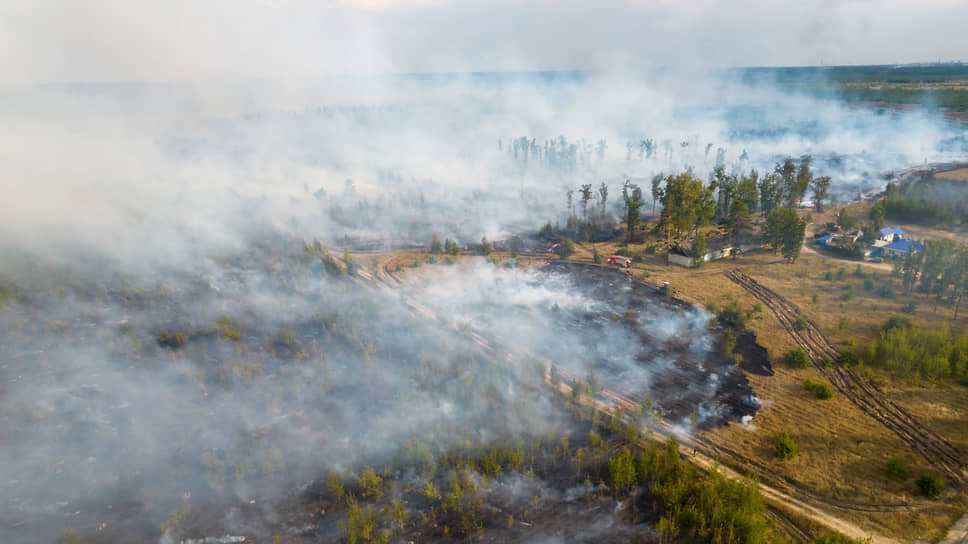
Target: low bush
x,y
785,448
897,469
797,358
820,390
930,485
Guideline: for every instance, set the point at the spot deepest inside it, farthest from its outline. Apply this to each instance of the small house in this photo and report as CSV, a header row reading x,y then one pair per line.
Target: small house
x,y
891,234
901,248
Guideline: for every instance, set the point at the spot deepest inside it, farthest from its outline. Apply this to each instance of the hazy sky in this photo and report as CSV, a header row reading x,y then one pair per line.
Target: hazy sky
x,y
111,40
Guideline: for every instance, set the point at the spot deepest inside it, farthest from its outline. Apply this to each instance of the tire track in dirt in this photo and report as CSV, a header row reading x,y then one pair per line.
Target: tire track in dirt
x,y
934,448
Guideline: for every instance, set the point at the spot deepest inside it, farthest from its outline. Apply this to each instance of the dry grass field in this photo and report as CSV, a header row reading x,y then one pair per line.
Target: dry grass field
x,y
960,174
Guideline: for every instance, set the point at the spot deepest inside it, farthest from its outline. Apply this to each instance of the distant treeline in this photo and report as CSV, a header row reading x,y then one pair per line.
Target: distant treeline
x,y
887,73
929,201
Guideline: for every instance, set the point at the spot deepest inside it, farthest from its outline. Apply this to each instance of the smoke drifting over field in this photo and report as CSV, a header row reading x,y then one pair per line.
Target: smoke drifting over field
x,y
134,170
165,337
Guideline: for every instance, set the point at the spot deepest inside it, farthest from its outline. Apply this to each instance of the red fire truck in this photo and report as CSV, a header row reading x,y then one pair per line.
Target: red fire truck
x,y
620,260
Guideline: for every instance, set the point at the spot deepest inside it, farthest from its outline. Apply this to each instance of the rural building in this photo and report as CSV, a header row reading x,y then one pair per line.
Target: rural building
x,y
680,258
891,234
684,258
900,248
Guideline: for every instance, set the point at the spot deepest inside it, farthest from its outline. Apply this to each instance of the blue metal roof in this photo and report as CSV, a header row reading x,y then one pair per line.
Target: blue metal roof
x,y
892,230
905,244
823,239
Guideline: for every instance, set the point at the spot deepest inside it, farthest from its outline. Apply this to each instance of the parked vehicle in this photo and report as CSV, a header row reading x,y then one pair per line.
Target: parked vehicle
x,y
620,260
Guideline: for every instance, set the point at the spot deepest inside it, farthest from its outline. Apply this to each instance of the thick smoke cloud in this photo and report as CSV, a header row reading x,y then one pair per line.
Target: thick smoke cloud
x,y
111,40
178,195
160,173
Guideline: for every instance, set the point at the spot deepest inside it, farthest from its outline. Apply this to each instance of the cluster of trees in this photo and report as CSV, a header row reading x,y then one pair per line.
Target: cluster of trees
x,y
596,222
452,481
928,201
449,246
689,203
689,504
785,231
914,352
940,269
559,153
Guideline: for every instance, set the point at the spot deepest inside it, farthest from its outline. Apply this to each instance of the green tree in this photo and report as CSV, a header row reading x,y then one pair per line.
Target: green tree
x,y
747,190
771,190
485,247
821,186
451,247
603,197
435,247
586,195
566,248
785,231
687,204
804,178
370,484
789,189
785,448
877,216
632,195
738,221
656,189
699,250
621,470
334,484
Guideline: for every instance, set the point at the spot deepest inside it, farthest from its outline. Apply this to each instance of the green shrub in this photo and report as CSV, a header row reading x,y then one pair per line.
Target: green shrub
x,y
930,485
729,342
848,358
897,322
732,316
451,247
909,308
897,469
797,358
785,448
800,323
820,390
885,290
485,247
566,248
596,256
546,231
847,293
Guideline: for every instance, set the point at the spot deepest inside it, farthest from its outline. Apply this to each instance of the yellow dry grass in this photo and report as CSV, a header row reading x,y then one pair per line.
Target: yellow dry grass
x,y
960,174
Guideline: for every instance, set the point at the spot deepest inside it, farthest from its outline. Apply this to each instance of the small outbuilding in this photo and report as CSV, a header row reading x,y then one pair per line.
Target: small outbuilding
x,y
891,234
